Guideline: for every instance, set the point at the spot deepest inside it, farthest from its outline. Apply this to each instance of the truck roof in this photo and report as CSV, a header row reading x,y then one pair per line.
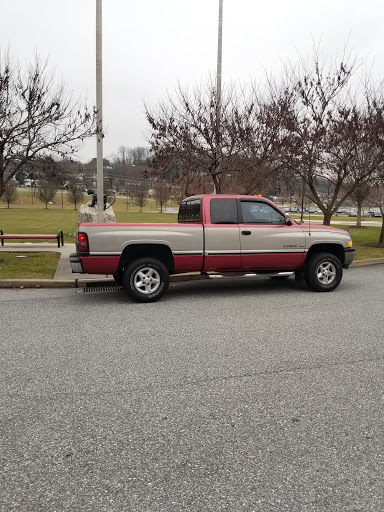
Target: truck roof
x,y
226,196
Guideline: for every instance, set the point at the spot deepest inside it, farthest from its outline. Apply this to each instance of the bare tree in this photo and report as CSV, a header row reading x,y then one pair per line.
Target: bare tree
x,y
75,191
37,117
201,137
234,145
47,191
10,192
376,198
177,193
140,155
360,195
162,193
260,166
140,195
328,127
126,156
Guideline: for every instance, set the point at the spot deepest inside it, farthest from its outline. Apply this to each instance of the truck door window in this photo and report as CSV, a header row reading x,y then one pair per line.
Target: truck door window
x,y
223,211
255,212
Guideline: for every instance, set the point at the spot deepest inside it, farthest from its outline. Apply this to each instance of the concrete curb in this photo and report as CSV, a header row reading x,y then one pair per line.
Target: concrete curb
x,y
83,282
364,263
37,283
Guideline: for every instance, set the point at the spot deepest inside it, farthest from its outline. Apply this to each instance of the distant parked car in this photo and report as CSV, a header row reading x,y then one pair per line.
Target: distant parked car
x,y
352,214
375,214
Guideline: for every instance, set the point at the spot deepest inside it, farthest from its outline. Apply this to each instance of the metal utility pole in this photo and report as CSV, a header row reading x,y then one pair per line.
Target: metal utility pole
x,y
219,56
218,81
99,108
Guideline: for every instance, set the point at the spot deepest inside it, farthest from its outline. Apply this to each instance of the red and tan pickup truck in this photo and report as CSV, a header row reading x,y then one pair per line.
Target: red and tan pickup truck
x,y
214,235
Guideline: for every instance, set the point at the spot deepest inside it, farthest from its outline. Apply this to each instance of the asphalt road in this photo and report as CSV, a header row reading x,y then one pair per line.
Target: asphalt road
x,y
224,396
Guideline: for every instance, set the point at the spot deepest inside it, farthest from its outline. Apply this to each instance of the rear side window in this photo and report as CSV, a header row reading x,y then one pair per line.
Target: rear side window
x,y
190,211
223,211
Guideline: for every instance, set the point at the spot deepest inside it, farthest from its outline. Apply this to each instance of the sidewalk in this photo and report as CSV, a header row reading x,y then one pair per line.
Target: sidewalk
x,y
64,278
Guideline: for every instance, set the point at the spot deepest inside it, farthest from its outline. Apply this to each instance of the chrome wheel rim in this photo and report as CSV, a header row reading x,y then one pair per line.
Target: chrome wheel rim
x,y
326,272
147,280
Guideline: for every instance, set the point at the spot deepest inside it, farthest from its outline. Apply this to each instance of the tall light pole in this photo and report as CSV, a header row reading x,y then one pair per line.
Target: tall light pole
x,y
218,82
99,109
219,56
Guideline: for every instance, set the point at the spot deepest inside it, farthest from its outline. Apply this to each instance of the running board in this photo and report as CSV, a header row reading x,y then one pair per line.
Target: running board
x,y
215,275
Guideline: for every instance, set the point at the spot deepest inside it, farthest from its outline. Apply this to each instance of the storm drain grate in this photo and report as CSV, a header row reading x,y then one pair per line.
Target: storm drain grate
x,y
102,288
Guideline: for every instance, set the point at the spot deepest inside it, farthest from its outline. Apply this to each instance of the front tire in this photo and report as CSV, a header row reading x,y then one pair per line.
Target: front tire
x,y
146,280
324,272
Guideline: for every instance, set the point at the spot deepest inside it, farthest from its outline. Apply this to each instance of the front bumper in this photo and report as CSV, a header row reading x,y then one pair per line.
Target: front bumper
x,y
76,266
349,255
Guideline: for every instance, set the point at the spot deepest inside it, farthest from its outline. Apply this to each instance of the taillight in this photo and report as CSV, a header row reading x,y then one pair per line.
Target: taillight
x,y
82,242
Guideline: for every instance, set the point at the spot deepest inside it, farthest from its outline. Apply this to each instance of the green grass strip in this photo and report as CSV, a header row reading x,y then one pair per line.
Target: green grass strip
x,y
28,265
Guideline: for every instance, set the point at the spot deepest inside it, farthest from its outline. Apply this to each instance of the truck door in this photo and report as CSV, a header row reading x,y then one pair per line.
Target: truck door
x,y
222,238
266,240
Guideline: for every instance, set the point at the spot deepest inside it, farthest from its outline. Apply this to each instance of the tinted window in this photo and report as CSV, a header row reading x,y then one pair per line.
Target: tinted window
x,y
190,211
182,211
260,213
223,211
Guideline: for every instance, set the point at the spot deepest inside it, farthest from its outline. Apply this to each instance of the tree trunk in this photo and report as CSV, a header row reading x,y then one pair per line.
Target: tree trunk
x,y
216,183
358,220
327,218
381,238
2,184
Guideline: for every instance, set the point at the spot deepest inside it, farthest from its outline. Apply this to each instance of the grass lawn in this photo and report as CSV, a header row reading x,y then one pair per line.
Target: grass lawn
x,y
25,217
28,265
30,220
367,253
366,235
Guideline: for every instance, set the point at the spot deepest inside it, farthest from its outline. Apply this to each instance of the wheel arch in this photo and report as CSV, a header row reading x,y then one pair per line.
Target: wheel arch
x,y
335,249
134,251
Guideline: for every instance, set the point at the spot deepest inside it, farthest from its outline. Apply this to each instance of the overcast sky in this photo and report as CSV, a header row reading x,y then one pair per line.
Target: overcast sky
x,y
150,45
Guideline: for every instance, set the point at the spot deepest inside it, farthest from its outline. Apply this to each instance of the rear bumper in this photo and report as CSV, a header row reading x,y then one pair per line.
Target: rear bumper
x,y
76,266
349,255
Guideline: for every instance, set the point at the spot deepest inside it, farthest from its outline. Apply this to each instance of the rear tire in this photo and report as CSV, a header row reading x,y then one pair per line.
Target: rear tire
x,y
146,280
324,272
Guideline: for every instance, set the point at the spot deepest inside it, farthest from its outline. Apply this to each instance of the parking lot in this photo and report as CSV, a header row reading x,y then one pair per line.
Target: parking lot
x,y
235,395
